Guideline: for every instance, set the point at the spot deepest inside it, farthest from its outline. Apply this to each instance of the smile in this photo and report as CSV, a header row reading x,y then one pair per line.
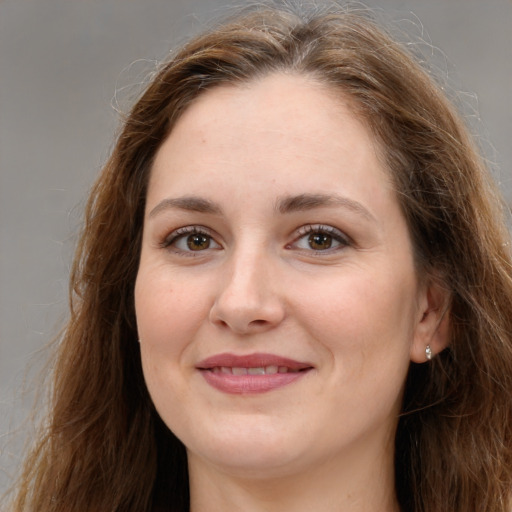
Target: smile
x,y
260,370
255,373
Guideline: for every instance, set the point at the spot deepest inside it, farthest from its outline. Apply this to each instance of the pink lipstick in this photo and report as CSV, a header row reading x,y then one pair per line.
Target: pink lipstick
x,y
254,373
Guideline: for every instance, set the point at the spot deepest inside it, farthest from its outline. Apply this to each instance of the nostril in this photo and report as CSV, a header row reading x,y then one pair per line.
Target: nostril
x,y
258,322
246,317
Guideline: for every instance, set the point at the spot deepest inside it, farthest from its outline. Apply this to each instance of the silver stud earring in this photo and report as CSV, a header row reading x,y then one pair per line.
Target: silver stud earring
x,y
428,352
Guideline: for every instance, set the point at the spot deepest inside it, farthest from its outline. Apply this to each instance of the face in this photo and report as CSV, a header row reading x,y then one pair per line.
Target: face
x,y
277,301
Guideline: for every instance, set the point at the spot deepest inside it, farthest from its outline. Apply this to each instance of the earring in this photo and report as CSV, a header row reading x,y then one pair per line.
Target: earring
x,y
428,352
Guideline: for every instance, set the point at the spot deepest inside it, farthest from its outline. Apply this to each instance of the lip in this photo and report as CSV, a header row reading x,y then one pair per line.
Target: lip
x,y
284,371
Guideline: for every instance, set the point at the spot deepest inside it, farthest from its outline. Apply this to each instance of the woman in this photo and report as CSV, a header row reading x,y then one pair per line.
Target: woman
x,y
293,290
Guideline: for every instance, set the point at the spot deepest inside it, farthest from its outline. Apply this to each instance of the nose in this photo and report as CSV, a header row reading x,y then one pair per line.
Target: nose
x,y
249,299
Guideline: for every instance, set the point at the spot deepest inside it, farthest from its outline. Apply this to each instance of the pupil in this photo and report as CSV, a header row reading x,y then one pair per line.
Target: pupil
x,y
198,242
320,241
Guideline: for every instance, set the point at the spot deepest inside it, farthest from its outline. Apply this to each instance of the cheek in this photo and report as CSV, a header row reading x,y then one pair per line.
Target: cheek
x,y
167,309
169,314
167,320
363,318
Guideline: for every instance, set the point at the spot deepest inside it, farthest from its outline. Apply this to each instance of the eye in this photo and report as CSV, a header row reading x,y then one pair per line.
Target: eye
x,y
190,239
320,238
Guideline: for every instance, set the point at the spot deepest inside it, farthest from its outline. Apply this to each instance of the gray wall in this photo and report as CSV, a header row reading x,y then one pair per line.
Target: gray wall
x,y
61,62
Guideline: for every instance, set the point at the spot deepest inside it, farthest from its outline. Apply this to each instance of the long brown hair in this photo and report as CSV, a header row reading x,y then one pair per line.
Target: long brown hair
x,y
105,448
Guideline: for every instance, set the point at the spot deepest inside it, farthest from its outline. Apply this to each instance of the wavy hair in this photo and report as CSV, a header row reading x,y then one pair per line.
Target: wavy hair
x,y
104,447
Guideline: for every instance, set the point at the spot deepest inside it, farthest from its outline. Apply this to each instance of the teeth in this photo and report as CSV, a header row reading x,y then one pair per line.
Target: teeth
x,y
267,370
256,371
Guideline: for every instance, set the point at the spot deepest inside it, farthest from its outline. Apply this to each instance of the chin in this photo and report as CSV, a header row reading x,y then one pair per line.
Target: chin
x,y
249,450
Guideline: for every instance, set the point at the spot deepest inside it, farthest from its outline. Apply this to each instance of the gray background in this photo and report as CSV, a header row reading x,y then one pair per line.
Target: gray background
x,y
61,63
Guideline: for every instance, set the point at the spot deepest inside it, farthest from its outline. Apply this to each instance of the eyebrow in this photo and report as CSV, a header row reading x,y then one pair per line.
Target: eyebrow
x,y
305,202
188,203
284,205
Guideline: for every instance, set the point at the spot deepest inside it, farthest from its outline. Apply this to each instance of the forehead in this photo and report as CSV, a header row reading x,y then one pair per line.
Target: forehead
x,y
286,130
286,103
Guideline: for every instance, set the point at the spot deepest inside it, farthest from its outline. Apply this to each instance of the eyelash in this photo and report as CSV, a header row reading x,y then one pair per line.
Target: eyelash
x,y
307,230
178,234
336,235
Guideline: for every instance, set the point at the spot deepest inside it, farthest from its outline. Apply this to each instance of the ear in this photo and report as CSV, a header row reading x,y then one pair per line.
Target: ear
x,y
433,323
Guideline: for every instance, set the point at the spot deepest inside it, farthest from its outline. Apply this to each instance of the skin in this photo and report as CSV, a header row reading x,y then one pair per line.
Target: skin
x,y
356,311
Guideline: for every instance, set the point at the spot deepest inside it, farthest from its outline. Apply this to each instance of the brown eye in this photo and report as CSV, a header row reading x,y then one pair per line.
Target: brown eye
x,y
320,241
198,242
190,239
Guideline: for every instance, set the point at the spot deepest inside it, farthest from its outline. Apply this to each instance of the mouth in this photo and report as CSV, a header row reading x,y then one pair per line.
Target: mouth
x,y
255,373
257,370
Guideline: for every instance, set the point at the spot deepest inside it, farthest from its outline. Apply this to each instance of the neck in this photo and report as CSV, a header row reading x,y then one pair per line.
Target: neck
x,y
359,484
